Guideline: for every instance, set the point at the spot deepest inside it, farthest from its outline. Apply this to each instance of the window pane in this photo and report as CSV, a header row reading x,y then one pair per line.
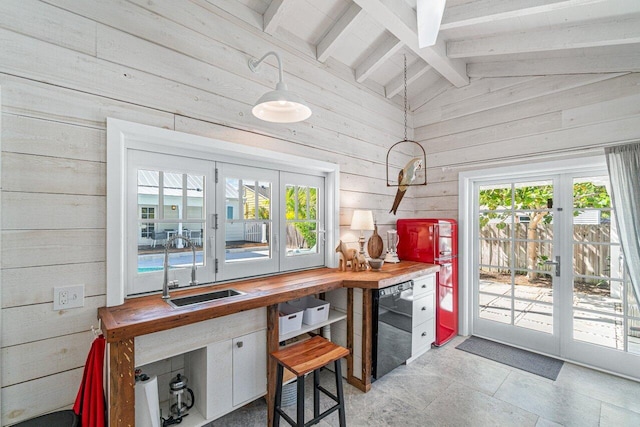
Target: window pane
x,y
598,295
534,286
498,283
301,207
531,315
633,336
148,192
495,197
495,252
248,222
591,192
172,192
598,329
151,250
301,238
195,197
495,308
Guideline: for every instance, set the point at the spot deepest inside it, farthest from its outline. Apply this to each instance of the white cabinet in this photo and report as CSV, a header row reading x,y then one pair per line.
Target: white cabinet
x,y
423,320
249,367
225,361
227,374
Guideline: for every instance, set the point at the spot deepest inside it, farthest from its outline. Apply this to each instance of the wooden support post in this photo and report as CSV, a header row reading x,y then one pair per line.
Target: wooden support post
x,y
273,335
367,331
121,383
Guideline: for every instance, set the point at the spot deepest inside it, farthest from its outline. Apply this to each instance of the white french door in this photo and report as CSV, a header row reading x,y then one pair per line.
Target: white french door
x,y
516,291
550,273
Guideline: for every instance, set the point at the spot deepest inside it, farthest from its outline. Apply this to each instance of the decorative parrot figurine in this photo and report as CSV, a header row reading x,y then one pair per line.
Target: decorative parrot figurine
x,y
406,176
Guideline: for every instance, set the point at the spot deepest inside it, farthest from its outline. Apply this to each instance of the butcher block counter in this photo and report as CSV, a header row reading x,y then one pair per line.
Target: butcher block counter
x,y
149,314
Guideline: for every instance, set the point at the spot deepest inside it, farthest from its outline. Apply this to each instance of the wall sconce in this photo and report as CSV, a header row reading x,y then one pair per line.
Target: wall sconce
x,y
280,105
362,220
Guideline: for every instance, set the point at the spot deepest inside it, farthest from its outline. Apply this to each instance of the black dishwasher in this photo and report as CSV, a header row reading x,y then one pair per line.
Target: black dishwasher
x,y
392,317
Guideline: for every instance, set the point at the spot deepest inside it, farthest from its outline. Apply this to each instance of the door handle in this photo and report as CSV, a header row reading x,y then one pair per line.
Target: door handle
x,y
556,263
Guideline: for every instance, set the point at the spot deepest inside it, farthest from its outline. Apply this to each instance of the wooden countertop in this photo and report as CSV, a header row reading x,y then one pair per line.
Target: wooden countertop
x,y
148,314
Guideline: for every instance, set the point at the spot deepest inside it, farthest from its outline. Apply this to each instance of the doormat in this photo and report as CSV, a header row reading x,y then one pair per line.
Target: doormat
x,y
538,364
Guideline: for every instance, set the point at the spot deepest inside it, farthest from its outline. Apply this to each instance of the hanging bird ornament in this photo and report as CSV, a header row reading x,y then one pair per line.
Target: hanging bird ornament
x,y
405,177
408,174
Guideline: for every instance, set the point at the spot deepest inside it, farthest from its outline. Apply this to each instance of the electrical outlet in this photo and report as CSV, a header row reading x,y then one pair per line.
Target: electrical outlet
x,y
65,297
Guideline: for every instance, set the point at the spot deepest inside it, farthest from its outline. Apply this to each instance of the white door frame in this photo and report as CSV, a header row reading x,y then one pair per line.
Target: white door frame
x,y
468,258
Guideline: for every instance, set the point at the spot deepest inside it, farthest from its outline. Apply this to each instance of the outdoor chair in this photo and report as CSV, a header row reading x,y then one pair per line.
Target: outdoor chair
x,y
158,235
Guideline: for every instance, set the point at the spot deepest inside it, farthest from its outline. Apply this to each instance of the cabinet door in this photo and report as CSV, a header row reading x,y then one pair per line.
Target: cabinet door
x,y
249,367
218,377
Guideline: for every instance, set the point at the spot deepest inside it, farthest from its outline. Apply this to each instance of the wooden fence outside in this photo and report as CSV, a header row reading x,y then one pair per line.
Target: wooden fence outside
x,y
591,258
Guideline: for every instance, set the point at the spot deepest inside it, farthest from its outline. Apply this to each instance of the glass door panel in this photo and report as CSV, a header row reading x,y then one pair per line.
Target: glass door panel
x,y
171,201
515,241
599,314
303,203
246,213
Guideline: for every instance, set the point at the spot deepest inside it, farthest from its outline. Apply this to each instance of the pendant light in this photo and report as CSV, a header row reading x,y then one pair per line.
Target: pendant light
x,y
280,105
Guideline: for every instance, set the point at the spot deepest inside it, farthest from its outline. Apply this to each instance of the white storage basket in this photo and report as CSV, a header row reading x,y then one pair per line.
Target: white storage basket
x,y
315,310
289,319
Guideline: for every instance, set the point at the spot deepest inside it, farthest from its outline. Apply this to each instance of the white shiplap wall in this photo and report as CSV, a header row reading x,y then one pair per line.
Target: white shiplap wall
x,y
498,120
67,65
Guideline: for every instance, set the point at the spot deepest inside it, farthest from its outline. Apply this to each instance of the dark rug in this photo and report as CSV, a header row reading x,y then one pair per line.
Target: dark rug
x,y
538,364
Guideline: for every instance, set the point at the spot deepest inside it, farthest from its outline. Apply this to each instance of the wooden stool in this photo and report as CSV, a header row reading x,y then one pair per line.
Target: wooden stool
x,y
302,358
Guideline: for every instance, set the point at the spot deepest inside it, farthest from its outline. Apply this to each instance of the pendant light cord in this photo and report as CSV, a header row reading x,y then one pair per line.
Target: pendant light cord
x,y
405,98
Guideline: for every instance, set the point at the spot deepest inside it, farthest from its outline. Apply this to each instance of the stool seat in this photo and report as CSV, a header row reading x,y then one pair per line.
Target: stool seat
x,y
302,358
309,355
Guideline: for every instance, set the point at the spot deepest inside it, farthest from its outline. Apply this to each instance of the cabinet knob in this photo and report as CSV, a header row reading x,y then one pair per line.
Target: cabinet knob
x,y
239,344
424,308
424,334
424,286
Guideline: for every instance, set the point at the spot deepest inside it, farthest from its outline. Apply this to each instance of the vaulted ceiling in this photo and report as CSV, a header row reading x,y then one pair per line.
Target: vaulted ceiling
x,y
479,38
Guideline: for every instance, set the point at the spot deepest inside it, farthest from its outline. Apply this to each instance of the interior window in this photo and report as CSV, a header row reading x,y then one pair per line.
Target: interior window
x,y
244,211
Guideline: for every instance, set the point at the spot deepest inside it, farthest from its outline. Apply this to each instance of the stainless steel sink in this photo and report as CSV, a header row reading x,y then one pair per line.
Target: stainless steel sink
x,y
201,298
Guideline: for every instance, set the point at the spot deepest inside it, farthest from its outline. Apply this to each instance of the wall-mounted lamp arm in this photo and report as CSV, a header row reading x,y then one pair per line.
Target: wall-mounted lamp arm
x,y
254,64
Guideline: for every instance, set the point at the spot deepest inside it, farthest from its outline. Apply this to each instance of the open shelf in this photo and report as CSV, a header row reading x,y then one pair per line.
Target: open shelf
x,y
334,316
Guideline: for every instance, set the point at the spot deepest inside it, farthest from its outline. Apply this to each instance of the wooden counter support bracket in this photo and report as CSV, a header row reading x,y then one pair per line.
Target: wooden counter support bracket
x,y
273,335
121,360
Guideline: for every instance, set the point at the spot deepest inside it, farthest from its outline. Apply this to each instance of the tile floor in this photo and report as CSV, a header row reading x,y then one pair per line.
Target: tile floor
x,y
449,387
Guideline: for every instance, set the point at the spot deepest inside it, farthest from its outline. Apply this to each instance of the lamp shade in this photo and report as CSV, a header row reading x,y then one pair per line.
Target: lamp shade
x,y
362,220
281,106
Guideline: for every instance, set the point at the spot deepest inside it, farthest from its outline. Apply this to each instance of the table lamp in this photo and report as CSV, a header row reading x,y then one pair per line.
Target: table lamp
x,y
362,220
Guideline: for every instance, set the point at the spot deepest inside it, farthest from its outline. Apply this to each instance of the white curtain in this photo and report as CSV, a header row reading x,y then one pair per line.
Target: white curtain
x,y
624,170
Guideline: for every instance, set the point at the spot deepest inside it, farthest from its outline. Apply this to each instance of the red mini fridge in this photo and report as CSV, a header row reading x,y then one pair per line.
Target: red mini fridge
x,y
435,241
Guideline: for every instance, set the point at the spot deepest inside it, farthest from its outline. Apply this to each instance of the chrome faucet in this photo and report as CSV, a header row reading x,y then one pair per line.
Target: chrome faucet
x,y
165,283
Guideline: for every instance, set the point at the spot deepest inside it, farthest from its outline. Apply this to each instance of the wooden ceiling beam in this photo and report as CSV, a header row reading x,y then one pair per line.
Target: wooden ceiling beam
x,y
273,15
609,33
401,21
414,72
382,53
486,11
550,66
338,32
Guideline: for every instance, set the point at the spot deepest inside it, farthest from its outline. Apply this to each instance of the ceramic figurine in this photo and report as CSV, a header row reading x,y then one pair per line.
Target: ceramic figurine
x,y
406,177
348,257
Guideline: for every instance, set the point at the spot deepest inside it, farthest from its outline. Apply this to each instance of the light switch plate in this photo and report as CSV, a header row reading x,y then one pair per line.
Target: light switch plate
x,y
65,297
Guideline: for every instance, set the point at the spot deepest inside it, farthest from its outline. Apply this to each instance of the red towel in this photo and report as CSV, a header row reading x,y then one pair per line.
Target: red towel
x,y
90,404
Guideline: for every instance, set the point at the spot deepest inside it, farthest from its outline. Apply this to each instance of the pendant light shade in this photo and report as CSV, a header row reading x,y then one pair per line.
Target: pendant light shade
x,y
280,105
